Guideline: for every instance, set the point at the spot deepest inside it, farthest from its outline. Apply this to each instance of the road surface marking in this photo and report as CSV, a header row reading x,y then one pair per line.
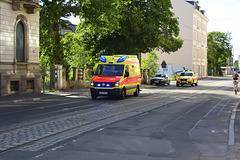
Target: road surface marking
x,y
231,139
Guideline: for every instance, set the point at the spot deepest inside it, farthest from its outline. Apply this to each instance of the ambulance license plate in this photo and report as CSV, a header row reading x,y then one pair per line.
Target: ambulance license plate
x,y
103,92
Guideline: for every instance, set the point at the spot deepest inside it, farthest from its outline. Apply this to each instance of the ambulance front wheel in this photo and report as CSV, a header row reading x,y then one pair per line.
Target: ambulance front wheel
x,y
123,94
94,96
137,92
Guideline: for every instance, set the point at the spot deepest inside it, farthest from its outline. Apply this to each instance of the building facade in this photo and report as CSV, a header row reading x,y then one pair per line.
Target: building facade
x,y
19,47
199,41
193,31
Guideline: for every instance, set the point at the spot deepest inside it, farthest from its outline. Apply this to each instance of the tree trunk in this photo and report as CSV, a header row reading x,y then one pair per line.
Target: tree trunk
x,y
57,53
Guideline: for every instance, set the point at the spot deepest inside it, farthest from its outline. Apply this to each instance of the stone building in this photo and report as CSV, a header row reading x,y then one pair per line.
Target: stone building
x,y
19,47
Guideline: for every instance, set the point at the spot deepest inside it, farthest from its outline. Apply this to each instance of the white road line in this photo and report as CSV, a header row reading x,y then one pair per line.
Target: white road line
x,y
223,107
189,132
100,129
215,107
231,138
184,114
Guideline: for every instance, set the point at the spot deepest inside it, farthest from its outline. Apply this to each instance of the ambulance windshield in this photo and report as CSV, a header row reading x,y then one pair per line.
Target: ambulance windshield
x,y
109,70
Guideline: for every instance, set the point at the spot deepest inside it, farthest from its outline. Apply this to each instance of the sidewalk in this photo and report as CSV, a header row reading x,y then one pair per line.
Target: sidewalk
x,y
38,96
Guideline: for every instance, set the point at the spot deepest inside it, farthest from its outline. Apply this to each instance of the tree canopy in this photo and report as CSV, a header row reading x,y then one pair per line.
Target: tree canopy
x,y
151,62
50,21
219,50
106,27
132,27
236,64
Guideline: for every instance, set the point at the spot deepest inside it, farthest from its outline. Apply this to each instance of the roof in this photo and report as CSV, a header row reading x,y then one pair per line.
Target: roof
x,y
196,6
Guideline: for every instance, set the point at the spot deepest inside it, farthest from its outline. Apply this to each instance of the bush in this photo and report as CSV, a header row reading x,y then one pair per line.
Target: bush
x,y
174,77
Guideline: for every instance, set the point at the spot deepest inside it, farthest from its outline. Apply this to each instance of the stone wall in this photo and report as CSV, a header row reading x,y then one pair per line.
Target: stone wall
x,y
8,21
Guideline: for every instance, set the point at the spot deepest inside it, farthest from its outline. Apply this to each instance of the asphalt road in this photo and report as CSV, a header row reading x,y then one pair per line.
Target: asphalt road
x,y
162,123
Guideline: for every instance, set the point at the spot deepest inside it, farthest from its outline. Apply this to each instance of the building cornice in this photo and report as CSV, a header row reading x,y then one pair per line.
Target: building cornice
x,y
30,5
201,15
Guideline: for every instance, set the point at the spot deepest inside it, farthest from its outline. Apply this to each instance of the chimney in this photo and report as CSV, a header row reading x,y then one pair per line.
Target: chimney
x,y
196,5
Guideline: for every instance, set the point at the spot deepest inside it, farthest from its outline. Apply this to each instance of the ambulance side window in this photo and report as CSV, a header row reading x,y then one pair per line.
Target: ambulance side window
x,y
126,71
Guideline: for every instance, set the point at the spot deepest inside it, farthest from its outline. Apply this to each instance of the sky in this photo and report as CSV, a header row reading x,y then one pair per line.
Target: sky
x,y
223,15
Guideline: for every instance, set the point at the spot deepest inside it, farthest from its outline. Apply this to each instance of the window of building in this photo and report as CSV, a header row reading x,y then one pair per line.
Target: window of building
x,y
14,85
20,42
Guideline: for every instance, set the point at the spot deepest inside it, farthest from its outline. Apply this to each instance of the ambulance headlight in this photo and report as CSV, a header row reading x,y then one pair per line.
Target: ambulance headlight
x,y
92,83
117,84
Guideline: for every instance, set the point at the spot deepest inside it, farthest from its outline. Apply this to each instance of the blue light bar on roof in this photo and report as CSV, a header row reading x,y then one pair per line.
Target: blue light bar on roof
x,y
103,59
121,59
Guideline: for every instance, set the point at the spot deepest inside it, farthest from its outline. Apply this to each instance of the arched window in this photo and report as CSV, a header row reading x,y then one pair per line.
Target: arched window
x,y
20,42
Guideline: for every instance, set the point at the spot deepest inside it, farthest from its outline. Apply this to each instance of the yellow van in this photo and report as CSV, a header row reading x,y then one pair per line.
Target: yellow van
x,y
116,75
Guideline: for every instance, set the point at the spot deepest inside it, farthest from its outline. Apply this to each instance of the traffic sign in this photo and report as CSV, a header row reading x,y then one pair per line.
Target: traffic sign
x,y
164,64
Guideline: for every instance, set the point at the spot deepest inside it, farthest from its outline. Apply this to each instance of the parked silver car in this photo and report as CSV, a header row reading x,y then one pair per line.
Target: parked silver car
x,y
160,79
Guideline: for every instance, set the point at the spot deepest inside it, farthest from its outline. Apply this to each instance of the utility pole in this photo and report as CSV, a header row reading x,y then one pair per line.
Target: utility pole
x,y
227,65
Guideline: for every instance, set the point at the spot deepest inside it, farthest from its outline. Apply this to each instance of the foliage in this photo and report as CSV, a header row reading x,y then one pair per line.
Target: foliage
x,y
106,27
174,77
236,64
132,27
151,62
74,52
219,50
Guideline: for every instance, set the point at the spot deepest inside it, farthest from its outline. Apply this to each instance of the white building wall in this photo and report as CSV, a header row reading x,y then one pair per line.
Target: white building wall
x,y
200,44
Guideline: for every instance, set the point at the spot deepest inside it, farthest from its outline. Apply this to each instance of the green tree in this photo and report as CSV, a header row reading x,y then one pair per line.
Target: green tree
x,y
151,62
219,50
132,27
236,64
74,52
51,16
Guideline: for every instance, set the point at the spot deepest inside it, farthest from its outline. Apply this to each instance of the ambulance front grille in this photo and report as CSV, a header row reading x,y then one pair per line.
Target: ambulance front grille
x,y
104,84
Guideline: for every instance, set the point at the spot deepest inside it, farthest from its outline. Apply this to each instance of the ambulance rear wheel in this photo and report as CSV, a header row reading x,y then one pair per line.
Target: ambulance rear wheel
x,y
123,94
94,96
137,92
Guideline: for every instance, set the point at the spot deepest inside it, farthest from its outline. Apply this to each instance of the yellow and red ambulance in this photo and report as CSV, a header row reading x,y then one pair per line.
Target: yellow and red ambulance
x,y
116,75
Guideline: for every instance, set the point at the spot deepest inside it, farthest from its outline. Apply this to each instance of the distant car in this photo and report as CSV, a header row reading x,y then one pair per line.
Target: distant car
x,y
160,79
187,77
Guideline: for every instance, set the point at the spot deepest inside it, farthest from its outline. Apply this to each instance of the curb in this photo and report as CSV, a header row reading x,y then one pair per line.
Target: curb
x,y
47,96
31,99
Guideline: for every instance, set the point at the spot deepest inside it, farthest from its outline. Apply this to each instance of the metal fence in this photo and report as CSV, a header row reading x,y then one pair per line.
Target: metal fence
x,y
49,77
